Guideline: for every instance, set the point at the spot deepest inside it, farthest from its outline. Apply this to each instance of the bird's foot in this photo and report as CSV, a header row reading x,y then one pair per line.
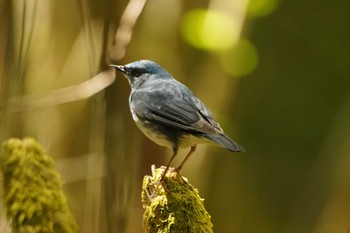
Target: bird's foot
x,y
170,173
177,171
153,188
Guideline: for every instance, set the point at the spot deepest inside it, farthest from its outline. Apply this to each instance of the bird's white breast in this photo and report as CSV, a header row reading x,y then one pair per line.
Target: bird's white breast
x,y
187,140
155,137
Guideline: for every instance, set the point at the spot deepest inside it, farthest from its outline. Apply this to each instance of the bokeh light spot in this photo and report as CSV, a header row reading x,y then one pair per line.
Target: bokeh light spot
x,y
241,59
209,30
258,8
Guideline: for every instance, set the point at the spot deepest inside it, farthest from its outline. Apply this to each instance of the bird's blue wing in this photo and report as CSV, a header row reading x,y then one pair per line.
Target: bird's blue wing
x,y
178,108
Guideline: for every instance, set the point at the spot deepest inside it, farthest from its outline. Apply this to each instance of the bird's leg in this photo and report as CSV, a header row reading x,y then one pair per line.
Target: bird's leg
x,y
193,149
175,150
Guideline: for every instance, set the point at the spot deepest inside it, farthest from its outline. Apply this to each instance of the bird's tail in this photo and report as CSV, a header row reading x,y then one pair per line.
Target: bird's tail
x,y
226,142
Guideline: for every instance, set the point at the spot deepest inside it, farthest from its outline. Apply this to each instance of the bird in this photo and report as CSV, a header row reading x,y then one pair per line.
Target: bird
x,y
168,113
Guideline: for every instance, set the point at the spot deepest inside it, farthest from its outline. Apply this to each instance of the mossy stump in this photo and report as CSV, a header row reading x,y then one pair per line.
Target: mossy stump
x,y
173,205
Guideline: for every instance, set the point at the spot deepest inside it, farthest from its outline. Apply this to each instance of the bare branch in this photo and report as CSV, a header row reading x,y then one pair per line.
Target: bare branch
x,y
64,95
96,83
125,30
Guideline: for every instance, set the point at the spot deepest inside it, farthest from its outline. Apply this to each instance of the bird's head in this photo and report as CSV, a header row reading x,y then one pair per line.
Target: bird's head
x,y
139,71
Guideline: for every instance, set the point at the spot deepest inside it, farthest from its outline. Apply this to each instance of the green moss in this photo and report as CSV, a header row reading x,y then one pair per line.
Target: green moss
x,y
174,206
32,189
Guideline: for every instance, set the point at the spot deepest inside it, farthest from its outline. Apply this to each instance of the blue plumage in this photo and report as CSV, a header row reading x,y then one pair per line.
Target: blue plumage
x,y
168,113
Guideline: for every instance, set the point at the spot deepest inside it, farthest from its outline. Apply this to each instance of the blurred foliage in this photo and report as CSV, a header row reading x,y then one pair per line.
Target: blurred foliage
x,y
32,189
289,108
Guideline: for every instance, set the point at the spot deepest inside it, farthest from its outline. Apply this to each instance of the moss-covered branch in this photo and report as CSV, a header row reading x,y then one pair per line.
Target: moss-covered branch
x,y
32,189
173,205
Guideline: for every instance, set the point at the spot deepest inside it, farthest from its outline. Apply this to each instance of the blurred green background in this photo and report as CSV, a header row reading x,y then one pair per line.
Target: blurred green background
x,y
274,73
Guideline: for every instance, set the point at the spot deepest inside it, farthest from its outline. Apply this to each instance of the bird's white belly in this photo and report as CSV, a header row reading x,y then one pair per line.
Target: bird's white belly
x,y
155,137
187,140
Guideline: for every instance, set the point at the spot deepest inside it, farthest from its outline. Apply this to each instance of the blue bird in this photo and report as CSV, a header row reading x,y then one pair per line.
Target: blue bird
x,y
168,113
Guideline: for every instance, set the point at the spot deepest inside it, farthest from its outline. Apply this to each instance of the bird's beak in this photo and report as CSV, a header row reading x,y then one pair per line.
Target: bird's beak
x,y
120,68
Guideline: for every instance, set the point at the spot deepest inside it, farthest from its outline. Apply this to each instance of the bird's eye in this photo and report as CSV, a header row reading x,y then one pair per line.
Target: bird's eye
x,y
136,72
